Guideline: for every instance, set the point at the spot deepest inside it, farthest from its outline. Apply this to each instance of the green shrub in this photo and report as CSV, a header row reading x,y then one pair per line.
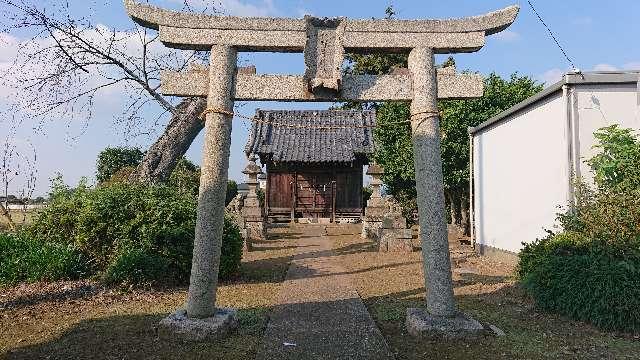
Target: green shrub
x,y
577,277
617,165
27,260
231,254
172,264
132,232
137,266
185,177
591,270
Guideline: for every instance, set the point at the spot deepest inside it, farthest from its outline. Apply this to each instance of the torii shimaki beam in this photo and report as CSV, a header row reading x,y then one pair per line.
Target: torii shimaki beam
x,y
323,42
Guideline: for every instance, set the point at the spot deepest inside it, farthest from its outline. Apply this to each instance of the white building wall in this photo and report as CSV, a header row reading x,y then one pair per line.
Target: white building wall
x,y
521,168
597,106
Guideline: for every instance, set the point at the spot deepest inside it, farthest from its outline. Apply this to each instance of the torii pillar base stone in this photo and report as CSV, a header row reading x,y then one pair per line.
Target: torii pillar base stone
x,y
440,319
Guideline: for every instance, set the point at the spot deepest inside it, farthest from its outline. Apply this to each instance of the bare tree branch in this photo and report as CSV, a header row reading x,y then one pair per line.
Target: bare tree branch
x,y
60,71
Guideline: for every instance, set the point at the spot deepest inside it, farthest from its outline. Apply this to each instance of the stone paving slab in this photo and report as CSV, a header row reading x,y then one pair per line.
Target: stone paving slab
x,y
322,315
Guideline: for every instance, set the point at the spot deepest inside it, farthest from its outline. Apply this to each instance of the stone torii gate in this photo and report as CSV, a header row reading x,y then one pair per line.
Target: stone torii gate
x,y
323,42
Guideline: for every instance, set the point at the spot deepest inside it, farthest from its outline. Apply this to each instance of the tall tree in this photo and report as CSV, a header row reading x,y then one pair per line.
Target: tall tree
x,y
394,149
457,116
70,61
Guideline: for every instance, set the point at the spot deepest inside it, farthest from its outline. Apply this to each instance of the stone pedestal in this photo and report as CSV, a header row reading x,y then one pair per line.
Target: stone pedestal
x,y
394,235
255,229
179,326
372,220
422,324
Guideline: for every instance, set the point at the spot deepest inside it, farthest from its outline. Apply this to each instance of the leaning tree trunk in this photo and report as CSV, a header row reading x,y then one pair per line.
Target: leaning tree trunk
x,y
162,157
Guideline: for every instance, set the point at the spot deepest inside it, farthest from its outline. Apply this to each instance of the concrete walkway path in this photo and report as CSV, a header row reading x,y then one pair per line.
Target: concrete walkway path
x,y
321,315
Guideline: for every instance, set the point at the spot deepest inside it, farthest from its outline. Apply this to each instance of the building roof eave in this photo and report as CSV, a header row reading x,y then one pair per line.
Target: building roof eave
x,y
588,78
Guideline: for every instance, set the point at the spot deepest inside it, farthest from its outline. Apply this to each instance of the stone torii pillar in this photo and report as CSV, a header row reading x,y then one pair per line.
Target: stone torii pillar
x,y
425,133
324,43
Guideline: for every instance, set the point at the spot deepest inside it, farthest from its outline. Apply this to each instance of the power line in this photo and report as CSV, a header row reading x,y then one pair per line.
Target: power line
x,y
552,35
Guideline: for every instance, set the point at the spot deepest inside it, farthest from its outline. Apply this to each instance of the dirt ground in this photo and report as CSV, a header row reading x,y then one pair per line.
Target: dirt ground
x,y
82,320
389,283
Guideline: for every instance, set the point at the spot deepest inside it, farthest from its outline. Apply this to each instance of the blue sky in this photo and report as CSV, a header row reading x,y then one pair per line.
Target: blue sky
x,y
596,35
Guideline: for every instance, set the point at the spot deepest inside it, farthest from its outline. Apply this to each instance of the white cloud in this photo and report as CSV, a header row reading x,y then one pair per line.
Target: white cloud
x,y
582,20
634,65
507,36
605,67
234,7
552,76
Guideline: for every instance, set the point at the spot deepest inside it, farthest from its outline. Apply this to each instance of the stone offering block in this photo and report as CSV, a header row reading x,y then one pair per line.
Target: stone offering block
x,y
179,326
394,222
400,245
395,240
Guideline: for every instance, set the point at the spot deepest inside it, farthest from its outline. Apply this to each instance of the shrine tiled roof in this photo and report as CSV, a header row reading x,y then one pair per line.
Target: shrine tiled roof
x,y
294,136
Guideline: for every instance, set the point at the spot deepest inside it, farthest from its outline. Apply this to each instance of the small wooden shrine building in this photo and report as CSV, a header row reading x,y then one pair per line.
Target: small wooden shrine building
x,y
314,161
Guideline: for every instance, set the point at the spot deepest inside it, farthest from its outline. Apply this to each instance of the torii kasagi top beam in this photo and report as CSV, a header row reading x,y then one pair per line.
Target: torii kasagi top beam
x,y
323,80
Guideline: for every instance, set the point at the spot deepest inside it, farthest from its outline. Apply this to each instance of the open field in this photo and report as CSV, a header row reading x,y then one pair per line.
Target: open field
x,y
20,218
82,320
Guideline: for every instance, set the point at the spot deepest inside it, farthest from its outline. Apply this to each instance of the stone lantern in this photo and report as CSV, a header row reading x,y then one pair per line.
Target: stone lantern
x,y
252,211
252,170
375,171
374,212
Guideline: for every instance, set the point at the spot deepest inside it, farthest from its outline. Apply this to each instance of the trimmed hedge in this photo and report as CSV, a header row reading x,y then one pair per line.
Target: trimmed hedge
x,y
569,274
